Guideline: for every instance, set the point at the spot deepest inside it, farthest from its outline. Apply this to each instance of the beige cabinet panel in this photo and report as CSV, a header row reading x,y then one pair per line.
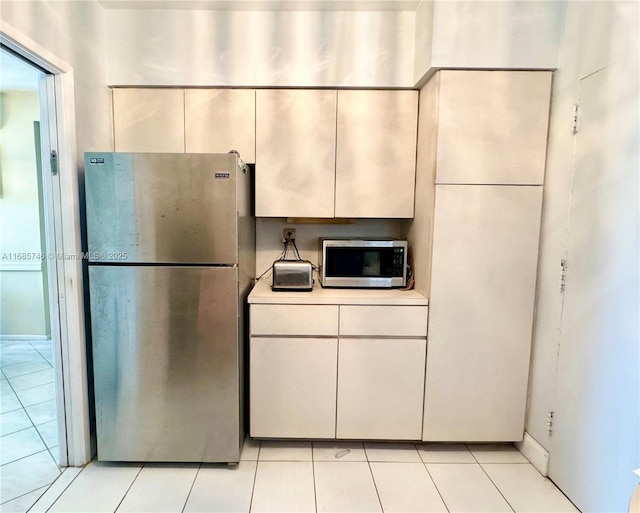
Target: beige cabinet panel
x,y
376,153
492,127
380,388
220,120
293,387
312,320
485,253
398,321
149,120
295,153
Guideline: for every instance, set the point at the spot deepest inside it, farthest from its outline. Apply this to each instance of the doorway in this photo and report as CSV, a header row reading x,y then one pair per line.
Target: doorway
x,y
595,444
32,420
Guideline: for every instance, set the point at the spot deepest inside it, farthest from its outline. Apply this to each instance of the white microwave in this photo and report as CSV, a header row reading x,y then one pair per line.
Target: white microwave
x,y
363,263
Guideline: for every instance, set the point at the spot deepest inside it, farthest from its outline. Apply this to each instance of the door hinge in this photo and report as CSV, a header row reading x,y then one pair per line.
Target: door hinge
x,y
574,119
54,162
563,275
550,423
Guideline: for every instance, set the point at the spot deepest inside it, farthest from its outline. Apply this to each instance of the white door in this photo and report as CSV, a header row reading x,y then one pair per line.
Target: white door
x,y
596,431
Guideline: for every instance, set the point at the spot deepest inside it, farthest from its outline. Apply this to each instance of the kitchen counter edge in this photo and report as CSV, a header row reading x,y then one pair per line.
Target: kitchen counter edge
x,y
263,295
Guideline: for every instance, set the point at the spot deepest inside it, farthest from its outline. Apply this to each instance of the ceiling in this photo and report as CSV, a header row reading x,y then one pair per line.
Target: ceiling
x,y
265,5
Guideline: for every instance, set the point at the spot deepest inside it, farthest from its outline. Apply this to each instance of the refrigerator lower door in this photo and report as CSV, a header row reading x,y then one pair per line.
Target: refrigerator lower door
x,y
165,358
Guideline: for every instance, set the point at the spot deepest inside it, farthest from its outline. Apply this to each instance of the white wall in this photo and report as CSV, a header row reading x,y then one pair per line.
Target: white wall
x,y
594,34
23,310
423,39
269,235
262,48
72,32
486,35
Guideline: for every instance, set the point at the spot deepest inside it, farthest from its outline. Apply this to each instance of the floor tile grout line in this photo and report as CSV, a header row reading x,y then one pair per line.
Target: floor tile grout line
x,y
255,475
66,487
42,437
17,430
436,486
129,488
186,501
491,480
41,423
27,456
27,493
9,411
3,367
35,386
313,474
52,456
23,429
38,351
36,404
375,485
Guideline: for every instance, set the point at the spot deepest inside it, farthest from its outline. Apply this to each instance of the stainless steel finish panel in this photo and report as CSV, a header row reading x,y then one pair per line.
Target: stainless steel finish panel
x,y
165,357
288,275
364,281
162,207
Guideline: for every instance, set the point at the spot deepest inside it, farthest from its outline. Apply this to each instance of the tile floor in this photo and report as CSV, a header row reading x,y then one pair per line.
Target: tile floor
x,y
323,477
28,425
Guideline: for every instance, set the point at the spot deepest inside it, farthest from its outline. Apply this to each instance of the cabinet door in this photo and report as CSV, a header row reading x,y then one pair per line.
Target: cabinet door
x,y
148,120
485,253
492,127
295,153
220,120
293,387
380,388
376,153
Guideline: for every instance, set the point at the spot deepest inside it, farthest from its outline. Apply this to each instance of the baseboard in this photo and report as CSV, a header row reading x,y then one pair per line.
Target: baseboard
x,y
535,453
25,337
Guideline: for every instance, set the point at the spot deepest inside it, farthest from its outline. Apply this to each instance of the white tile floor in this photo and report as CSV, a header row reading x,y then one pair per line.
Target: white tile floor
x,y
28,426
320,476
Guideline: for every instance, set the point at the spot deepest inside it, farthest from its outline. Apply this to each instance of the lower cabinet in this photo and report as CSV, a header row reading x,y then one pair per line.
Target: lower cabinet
x,y
380,388
293,387
360,375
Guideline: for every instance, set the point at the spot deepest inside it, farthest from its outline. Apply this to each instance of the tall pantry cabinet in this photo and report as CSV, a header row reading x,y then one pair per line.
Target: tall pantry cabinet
x,y
490,147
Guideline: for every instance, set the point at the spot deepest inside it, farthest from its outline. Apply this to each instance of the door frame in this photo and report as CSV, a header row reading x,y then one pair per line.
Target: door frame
x,y
73,398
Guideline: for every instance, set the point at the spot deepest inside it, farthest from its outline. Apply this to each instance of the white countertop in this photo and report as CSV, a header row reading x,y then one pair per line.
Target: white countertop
x,y
262,294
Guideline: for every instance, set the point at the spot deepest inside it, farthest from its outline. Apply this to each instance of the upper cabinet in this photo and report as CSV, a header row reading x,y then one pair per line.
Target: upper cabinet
x,y
191,120
376,153
220,120
295,153
322,153
149,120
492,127
319,153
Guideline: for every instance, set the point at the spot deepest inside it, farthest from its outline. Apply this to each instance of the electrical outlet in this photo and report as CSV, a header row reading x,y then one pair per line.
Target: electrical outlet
x,y
289,234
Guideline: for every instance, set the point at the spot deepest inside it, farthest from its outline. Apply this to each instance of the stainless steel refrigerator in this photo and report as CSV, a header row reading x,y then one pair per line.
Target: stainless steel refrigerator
x,y
171,242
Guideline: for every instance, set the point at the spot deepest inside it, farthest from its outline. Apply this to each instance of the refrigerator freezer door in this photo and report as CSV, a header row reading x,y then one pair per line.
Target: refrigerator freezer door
x,y
161,207
165,359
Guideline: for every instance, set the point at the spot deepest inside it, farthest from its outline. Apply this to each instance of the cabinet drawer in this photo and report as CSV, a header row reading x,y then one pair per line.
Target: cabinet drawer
x,y
314,320
392,321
